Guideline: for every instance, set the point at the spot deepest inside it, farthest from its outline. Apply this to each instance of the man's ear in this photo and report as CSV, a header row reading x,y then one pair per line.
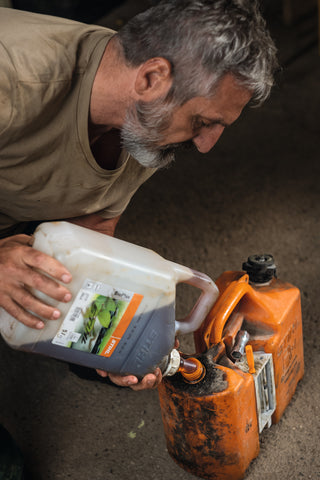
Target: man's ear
x,y
154,79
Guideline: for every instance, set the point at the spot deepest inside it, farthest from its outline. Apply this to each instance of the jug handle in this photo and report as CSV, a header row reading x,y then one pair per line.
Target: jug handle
x,y
205,301
223,308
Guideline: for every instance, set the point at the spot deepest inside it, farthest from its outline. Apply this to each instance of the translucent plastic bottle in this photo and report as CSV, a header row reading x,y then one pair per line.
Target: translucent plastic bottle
x,y
122,317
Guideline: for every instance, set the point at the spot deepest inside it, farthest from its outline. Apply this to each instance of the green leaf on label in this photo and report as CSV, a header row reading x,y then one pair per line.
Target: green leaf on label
x,y
104,318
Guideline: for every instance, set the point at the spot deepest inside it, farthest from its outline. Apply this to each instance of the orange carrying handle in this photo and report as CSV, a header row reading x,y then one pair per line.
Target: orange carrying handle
x,y
223,308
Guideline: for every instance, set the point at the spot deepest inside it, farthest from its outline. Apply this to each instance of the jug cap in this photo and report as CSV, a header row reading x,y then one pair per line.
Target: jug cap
x,y
260,268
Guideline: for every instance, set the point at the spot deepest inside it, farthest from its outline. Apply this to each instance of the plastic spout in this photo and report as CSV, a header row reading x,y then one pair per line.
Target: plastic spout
x,y
241,341
192,369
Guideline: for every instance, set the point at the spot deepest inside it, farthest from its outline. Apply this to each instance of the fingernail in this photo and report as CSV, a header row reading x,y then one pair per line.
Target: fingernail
x,y
150,383
66,278
67,297
131,382
40,325
56,314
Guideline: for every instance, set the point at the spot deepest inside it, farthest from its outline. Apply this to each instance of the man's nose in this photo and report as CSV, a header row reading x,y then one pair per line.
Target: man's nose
x,y
207,138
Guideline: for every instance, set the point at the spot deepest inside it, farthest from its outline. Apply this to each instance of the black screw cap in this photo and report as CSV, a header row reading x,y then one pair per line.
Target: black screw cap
x,y
260,268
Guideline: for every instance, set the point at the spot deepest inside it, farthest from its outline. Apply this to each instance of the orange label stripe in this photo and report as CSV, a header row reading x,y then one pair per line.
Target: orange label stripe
x,y
123,325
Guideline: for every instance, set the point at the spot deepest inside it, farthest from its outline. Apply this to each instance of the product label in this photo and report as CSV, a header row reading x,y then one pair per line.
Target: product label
x,y
98,318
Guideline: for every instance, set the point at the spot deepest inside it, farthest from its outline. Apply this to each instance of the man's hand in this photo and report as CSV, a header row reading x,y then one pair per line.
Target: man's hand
x,y
151,380
23,267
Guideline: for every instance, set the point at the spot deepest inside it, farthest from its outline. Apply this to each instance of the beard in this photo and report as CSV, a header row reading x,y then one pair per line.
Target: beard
x,y
143,132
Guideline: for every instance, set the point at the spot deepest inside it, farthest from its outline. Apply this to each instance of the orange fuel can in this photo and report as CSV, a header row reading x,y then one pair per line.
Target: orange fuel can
x,y
251,347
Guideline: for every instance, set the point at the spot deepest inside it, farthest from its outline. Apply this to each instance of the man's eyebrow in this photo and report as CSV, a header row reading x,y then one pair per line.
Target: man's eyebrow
x,y
212,121
216,121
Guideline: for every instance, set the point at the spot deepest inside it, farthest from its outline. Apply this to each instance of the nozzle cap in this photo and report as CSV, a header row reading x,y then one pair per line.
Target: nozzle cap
x,y
196,374
260,268
173,363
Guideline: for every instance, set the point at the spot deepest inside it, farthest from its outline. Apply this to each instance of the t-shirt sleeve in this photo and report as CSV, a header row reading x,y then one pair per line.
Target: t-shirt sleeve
x,y
7,90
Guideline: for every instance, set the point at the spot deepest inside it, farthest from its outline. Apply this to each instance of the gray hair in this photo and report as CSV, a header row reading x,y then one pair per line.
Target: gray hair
x,y
204,40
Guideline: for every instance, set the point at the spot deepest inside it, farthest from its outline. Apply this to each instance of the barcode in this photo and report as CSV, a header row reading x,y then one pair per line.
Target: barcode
x,y
64,336
73,337
76,313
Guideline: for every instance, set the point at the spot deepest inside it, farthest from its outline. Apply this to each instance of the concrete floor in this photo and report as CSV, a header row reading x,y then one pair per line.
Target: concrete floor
x,y
257,191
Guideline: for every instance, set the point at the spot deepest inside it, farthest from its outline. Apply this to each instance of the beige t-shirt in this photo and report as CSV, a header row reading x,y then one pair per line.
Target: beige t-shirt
x,y
47,170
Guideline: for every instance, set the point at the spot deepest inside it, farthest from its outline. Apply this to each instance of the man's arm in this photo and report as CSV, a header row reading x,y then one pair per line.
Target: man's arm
x,y
97,223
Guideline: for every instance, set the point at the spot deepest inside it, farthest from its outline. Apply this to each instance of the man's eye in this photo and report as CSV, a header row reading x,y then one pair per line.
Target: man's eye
x,y
201,124
205,125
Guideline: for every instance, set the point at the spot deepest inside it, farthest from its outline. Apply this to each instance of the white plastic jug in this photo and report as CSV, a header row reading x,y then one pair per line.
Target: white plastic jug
x,y
122,317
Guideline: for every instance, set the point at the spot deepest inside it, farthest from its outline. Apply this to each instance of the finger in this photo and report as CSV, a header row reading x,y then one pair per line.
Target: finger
x,y
30,303
17,250
22,315
149,381
127,381
47,264
21,263
102,373
44,284
20,238
18,275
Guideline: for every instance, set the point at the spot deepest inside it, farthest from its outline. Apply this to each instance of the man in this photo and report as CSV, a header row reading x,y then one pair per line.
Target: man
x,y
88,115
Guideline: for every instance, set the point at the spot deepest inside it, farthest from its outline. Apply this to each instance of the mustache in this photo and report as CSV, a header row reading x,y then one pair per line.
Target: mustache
x,y
175,147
